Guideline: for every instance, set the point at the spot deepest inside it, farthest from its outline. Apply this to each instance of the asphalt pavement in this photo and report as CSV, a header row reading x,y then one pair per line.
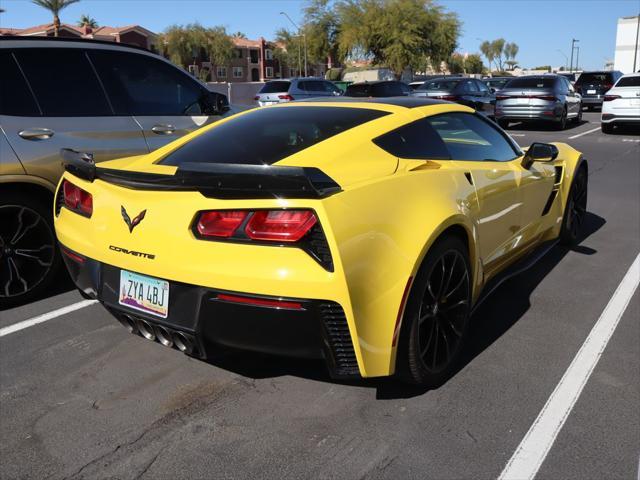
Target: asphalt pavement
x,y
82,398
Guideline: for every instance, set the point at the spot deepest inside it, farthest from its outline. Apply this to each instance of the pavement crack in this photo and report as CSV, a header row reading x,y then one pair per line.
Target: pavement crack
x,y
148,466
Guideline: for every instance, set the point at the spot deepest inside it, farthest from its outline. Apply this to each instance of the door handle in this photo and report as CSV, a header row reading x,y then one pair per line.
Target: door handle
x,y
162,129
36,133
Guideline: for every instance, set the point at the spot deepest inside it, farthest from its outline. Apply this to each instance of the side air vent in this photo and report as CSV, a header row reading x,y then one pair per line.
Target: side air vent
x,y
559,171
59,200
338,338
550,200
318,248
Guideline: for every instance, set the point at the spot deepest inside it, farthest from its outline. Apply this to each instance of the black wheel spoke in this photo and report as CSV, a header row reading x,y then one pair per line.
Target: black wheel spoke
x,y
461,303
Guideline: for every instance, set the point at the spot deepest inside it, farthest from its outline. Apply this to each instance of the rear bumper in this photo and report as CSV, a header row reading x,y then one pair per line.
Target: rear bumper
x,y
594,100
527,115
632,119
317,329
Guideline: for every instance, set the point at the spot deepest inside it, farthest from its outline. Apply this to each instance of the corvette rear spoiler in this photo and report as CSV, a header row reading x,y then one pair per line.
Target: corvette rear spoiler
x,y
215,180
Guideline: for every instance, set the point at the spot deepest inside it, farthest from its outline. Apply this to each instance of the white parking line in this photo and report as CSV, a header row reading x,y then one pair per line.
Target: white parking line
x,y
44,317
584,133
528,457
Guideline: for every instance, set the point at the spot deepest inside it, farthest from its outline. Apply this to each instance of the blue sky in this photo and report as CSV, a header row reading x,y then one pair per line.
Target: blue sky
x,y
540,28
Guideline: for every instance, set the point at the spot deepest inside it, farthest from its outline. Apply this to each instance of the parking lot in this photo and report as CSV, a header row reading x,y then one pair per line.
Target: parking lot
x,y
82,398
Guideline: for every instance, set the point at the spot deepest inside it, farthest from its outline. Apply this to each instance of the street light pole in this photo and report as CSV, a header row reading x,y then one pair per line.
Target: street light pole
x,y
573,43
304,36
635,52
578,57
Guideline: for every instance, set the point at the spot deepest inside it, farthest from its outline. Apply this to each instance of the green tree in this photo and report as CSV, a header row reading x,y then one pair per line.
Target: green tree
x,y
55,6
185,43
396,33
510,52
239,35
456,63
473,63
497,46
87,21
321,27
487,51
289,51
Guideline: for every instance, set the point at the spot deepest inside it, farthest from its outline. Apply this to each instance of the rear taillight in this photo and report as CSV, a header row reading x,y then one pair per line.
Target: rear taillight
x,y
286,97
607,86
445,97
549,98
256,98
260,302
280,225
501,97
220,223
283,226
609,98
77,199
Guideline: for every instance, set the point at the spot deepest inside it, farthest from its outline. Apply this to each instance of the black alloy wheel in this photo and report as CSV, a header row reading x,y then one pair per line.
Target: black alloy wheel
x,y
28,254
576,209
437,315
562,123
578,119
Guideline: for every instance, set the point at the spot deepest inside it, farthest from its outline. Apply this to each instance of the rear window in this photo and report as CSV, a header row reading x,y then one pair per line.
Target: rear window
x,y
439,85
629,82
265,136
532,82
357,90
595,77
274,87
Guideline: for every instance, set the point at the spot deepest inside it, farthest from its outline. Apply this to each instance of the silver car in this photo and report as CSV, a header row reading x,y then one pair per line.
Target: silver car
x,y
107,99
549,98
287,90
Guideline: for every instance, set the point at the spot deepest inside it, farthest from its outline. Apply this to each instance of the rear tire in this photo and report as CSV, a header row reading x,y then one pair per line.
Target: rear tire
x,y
606,127
576,209
436,317
29,257
504,124
562,123
578,119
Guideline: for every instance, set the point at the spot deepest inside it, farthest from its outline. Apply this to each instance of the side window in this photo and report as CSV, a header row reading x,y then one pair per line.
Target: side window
x,y
63,82
470,87
15,96
470,138
315,86
303,86
141,85
330,87
482,87
416,140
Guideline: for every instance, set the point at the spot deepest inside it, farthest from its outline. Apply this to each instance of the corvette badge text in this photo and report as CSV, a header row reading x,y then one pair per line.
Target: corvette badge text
x,y
150,256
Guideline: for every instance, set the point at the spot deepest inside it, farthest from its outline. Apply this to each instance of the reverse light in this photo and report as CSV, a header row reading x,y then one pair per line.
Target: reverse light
x,y
220,223
280,225
77,199
610,98
286,97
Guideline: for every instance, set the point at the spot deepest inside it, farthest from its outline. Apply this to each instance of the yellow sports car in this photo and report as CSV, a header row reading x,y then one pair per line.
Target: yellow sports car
x,y
360,231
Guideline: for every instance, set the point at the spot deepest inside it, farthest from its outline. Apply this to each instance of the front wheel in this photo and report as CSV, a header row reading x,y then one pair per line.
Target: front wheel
x,y
436,316
576,209
29,259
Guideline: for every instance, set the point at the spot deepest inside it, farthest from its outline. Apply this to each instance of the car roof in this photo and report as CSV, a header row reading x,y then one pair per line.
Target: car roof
x,y
375,82
69,42
407,102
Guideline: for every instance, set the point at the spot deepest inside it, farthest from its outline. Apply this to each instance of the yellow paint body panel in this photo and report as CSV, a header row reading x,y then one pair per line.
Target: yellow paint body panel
x,y
379,227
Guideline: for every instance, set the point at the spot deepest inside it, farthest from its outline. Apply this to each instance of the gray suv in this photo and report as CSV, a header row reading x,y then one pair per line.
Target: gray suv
x,y
99,97
548,98
279,91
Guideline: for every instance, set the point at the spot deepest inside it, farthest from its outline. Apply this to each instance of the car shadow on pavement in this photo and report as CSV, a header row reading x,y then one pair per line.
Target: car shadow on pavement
x,y
492,319
61,284
543,126
626,130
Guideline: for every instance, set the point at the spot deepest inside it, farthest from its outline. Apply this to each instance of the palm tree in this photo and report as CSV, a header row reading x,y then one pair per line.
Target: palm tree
x,y
54,6
87,21
239,35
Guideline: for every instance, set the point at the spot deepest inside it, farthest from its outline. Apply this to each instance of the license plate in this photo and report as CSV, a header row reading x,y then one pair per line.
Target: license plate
x,y
591,92
147,294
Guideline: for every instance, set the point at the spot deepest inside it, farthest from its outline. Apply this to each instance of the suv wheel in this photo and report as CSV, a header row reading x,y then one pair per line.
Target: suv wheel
x,y
562,123
29,259
606,127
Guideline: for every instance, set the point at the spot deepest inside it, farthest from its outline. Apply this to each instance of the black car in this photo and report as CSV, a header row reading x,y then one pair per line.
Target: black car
x,y
593,85
496,83
383,88
466,91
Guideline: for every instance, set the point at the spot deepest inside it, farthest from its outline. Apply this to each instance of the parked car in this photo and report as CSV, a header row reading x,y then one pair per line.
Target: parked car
x,y
593,85
421,79
311,241
108,99
383,88
621,104
466,91
548,98
496,83
287,90
571,76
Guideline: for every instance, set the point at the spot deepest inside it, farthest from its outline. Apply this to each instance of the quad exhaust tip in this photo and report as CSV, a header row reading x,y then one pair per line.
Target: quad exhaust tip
x,y
146,330
128,323
183,343
164,336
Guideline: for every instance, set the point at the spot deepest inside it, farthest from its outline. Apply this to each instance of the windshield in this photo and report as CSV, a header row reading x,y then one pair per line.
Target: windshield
x,y
595,77
273,87
439,85
357,90
264,136
531,82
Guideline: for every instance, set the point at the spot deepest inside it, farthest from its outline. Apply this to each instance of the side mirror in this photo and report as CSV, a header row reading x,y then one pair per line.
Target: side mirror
x,y
540,152
493,90
216,103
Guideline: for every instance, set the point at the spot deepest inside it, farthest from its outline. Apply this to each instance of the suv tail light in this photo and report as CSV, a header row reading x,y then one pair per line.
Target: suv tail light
x,y
256,98
77,199
502,97
550,98
607,86
280,225
286,97
609,98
